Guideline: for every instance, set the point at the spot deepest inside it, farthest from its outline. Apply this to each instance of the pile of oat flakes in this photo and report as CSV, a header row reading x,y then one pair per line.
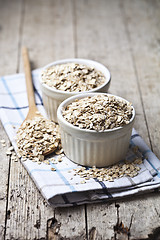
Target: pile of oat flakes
x,y
99,112
72,77
37,136
111,173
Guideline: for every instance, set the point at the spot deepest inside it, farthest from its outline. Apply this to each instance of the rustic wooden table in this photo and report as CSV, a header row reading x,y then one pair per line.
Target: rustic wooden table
x,y
123,35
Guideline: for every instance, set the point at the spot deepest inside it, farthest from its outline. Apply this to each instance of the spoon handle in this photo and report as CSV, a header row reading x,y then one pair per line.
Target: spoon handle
x,y
28,77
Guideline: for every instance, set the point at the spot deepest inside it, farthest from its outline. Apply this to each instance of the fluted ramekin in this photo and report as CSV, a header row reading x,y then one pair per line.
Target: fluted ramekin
x,y
53,97
92,148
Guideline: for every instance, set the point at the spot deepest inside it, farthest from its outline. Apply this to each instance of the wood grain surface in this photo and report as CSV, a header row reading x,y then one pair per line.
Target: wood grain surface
x,y
124,35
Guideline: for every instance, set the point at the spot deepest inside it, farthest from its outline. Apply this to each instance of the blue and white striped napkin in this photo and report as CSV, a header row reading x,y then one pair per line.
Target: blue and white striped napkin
x,y
61,187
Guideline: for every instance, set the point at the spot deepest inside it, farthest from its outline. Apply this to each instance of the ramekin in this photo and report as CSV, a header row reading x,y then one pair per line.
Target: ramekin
x,y
53,97
92,148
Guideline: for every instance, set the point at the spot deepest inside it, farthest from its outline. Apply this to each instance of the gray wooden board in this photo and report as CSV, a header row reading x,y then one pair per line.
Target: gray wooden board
x,y
4,169
144,40
9,38
121,34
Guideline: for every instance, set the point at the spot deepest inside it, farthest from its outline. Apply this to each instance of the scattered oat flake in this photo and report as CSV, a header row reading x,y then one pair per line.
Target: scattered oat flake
x,y
8,152
37,112
53,169
60,160
82,182
10,148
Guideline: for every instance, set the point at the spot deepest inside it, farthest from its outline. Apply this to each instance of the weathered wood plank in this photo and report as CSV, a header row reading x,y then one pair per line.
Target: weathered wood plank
x,y
141,215
143,32
28,212
10,23
48,33
4,169
10,14
101,220
69,223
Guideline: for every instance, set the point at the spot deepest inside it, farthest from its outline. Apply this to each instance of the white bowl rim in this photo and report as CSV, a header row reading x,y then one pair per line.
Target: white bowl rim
x,y
80,96
78,60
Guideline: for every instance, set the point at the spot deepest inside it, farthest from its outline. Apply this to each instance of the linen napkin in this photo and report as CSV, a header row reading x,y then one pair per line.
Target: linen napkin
x,y
61,187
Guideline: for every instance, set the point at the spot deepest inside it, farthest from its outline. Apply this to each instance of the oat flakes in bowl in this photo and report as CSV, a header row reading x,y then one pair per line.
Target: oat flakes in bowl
x,y
65,78
95,128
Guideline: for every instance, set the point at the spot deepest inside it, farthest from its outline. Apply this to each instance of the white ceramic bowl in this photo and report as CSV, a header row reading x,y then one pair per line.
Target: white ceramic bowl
x,y
92,148
53,97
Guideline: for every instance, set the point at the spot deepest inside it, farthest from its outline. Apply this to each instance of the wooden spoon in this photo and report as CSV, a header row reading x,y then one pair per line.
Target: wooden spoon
x,y
33,111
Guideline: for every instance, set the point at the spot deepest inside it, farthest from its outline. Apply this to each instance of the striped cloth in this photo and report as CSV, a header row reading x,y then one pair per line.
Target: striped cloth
x,y
61,187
